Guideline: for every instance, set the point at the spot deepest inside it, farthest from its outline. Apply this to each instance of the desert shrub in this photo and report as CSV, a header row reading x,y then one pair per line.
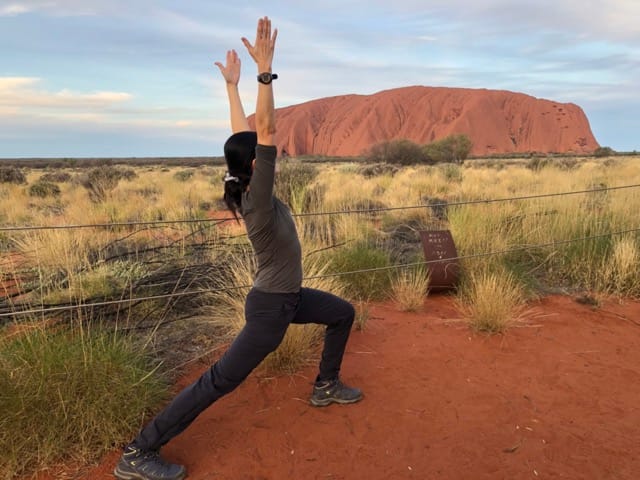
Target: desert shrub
x,y
454,148
292,180
377,169
603,152
183,175
397,152
374,285
409,288
438,207
56,177
12,175
478,296
44,189
63,395
100,181
128,174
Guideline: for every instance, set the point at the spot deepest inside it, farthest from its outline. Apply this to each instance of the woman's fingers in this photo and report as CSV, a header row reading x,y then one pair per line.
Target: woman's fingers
x,y
265,41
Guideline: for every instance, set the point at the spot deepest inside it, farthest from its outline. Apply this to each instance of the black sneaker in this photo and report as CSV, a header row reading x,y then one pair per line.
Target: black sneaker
x,y
136,464
333,391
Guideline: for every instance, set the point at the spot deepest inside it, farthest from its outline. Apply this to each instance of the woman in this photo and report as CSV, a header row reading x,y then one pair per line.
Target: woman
x,y
277,297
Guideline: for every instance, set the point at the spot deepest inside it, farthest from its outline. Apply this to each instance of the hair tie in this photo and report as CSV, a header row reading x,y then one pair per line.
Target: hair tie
x,y
230,178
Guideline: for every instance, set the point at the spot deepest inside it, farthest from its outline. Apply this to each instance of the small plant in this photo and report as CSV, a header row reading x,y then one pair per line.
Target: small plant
x,y
362,315
409,288
44,189
491,301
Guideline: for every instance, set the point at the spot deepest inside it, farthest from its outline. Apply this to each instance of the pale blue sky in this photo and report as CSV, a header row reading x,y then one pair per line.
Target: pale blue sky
x,y
136,77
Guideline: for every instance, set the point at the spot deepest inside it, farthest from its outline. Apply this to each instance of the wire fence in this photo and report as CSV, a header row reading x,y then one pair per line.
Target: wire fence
x,y
310,214
42,311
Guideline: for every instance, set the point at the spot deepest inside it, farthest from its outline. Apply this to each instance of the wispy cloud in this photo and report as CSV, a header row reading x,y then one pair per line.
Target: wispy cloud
x,y
13,9
24,93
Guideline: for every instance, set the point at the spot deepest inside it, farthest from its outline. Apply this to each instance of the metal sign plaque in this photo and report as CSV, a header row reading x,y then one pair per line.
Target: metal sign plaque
x,y
439,249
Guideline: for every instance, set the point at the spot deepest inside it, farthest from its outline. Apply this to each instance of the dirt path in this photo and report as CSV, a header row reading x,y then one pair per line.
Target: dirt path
x,y
555,398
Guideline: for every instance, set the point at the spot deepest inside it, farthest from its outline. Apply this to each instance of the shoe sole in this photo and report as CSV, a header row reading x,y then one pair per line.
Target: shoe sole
x,y
120,475
329,401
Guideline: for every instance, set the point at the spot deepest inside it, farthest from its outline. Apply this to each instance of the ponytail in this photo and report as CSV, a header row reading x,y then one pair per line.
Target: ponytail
x,y
234,187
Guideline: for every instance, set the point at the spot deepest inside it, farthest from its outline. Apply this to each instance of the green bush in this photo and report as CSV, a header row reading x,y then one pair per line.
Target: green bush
x,y
398,152
12,175
454,148
43,189
70,395
365,285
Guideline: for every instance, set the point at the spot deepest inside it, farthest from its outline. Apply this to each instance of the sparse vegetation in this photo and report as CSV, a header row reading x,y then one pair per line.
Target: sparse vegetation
x,y
603,152
79,265
63,393
183,175
396,152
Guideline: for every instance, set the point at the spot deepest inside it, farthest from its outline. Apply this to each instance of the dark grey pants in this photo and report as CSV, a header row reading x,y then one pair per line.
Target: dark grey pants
x,y
267,317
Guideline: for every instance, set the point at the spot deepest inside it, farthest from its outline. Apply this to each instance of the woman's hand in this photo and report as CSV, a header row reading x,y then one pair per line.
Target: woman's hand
x,y
262,51
231,71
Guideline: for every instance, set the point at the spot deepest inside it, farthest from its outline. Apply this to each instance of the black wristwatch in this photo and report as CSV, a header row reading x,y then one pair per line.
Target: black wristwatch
x,y
266,77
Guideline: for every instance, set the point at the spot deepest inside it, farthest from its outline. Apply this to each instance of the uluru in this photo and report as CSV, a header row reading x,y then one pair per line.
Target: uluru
x,y
496,121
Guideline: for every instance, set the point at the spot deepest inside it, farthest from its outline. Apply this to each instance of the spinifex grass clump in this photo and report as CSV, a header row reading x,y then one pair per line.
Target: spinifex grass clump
x,y
491,300
372,280
70,394
409,288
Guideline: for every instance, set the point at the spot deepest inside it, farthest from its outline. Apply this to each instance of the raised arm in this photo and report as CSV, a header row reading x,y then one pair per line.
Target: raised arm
x,y
231,74
262,54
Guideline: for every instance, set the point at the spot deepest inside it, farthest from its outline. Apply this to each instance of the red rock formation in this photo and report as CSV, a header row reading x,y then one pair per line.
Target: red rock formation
x,y
496,121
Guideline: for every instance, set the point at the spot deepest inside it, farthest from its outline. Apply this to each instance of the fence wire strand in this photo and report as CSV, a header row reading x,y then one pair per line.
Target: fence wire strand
x,y
311,214
315,277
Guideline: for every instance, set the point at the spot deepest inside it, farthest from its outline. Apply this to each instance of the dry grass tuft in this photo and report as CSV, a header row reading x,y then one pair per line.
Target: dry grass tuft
x,y
491,301
409,288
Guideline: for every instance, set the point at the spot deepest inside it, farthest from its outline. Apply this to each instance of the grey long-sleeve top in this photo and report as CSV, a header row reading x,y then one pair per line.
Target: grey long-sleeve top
x,y
271,229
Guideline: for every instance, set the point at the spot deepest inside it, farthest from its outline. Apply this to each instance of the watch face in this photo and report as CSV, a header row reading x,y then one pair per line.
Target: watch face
x,y
265,77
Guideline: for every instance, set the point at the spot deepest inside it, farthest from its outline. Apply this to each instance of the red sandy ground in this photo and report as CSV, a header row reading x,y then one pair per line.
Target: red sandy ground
x,y
556,397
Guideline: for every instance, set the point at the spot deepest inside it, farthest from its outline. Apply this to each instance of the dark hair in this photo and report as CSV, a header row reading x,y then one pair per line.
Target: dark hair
x,y
239,153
